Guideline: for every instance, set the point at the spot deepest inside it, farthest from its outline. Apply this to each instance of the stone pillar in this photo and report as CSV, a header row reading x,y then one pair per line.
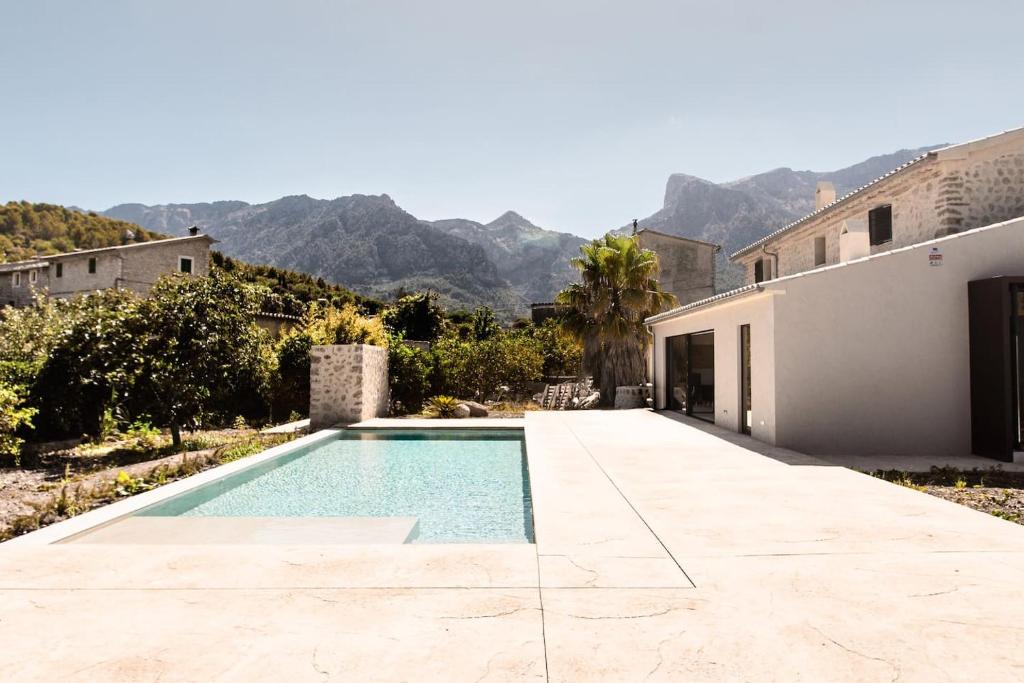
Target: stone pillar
x,y
347,384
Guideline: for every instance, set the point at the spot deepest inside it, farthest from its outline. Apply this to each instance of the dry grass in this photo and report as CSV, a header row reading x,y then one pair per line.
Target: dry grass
x,y
62,484
995,491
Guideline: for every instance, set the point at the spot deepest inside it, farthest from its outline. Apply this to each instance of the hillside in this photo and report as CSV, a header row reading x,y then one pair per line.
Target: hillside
x,y
367,243
370,244
534,261
28,230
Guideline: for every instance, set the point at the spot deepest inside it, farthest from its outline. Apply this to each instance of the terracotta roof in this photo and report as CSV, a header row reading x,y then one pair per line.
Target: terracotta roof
x,y
119,247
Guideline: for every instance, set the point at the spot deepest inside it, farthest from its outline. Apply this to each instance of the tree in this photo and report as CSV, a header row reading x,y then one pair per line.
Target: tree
x,y
606,310
200,350
484,325
415,316
475,369
563,353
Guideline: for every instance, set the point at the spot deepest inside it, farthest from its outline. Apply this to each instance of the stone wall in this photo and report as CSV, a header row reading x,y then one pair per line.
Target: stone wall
x,y
686,267
347,384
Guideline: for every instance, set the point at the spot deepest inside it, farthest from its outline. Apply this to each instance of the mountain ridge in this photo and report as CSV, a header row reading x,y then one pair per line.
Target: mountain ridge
x,y
371,245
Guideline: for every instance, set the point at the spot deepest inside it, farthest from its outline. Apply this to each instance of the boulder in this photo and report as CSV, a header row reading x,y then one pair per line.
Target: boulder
x,y
476,409
461,410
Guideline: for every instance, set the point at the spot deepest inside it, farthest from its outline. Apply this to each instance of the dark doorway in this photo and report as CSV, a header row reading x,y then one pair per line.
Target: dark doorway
x,y
745,410
690,374
996,308
677,362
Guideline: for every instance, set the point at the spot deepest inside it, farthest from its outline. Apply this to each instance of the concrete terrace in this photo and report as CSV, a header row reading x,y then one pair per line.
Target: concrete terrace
x,y
664,552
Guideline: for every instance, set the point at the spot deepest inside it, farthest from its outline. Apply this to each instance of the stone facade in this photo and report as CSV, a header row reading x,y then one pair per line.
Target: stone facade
x,y
347,384
687,267
951,190
132,266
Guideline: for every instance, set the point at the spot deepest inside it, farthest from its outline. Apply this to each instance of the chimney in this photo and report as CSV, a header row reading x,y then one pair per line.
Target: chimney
x,y
194,230
824,194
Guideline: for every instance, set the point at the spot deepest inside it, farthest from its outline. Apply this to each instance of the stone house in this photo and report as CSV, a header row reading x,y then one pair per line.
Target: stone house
x,y
940,193
687,266
133,266
887,322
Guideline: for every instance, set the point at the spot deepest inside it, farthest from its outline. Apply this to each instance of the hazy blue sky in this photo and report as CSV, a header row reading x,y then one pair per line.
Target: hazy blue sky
x,y
571,112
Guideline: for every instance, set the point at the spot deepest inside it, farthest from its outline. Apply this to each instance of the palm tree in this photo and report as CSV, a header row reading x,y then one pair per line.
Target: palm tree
x,y
606,310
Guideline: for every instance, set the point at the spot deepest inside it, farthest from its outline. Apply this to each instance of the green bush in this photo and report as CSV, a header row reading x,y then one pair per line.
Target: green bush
x,y
415,316
476,369
409,373
14,416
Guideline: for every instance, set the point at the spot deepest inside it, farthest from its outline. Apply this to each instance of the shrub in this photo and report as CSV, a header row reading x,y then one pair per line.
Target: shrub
x,y
415,316
442,406
13,416
477,369
409,372
143,436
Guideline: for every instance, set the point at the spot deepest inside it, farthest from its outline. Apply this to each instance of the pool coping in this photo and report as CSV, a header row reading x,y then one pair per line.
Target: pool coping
x,y
89,521
68,529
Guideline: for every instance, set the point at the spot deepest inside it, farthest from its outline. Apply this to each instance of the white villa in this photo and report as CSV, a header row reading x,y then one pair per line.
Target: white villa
x,y
885,322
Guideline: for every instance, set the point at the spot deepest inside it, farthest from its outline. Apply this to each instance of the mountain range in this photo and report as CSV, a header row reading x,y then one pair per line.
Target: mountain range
x,y
372,245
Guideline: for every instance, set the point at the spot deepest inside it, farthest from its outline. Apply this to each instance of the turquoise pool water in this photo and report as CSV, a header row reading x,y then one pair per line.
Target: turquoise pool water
x,y
465,486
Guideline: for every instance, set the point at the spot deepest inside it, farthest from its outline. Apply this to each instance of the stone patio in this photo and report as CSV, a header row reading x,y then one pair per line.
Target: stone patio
x,y
664,552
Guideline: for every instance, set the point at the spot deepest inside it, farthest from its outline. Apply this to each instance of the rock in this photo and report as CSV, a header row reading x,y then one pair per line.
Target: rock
x,y
461,410
476,409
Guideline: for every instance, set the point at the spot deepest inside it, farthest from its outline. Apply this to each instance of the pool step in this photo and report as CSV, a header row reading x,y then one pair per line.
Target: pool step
x,y
252,531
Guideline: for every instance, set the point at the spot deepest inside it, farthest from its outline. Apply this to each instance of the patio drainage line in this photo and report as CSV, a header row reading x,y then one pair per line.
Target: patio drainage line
x,y
630,504
540,601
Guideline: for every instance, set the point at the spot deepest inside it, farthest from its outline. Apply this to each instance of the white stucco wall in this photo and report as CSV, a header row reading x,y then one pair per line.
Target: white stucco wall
x,y
725,319
869,357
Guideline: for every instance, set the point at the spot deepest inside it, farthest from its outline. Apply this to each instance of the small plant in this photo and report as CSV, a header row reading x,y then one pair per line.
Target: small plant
x,y
442,406
143,436
960,483
239,423
294,416
127,485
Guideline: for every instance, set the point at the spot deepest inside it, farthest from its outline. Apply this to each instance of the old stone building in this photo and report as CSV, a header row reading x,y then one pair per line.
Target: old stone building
x,y
131,266
940,193
687,267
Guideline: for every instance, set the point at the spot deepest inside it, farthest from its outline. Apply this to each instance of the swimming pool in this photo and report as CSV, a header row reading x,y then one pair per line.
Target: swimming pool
x,y
462,485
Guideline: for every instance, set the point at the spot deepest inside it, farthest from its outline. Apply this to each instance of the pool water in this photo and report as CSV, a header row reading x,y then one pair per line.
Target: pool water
x,y
464,486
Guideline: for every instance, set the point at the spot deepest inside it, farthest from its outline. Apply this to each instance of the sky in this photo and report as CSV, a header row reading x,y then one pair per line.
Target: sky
x,y
572,113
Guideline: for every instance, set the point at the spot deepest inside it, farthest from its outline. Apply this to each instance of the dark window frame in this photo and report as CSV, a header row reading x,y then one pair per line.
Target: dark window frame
x,y
92,265
182,260
759,270
58,270
880,225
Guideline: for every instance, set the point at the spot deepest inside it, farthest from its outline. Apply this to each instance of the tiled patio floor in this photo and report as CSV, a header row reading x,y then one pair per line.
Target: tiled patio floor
x,y
663,553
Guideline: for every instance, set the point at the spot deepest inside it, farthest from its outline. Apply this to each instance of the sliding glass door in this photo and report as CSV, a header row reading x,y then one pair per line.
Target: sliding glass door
x,y
676,366
690,374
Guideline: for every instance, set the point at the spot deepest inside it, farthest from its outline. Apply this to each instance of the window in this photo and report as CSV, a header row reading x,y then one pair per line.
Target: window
x,y
59,270
92,266
819,251
33,275
17,279
880,224
759,270
185,264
